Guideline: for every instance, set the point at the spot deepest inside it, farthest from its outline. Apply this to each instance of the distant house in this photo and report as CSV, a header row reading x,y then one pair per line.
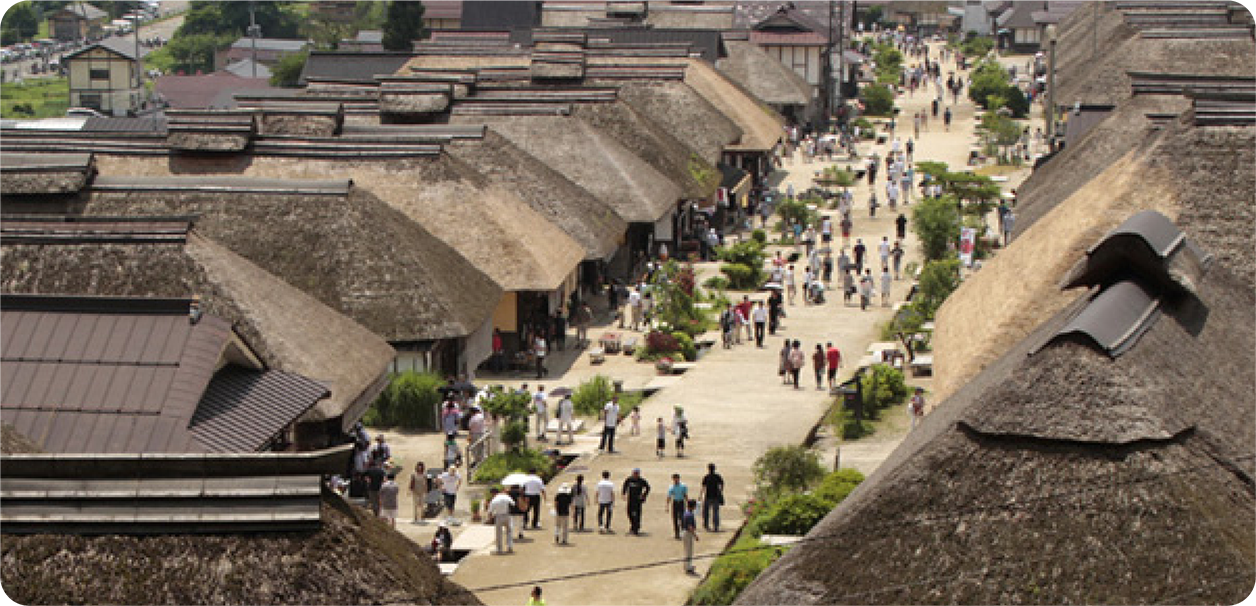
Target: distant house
x,y
796,39
77,21
106,77
367,41
269,50
1021,26
442,14
211,91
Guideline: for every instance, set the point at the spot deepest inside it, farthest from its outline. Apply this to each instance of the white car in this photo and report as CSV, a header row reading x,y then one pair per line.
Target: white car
x,y
83,112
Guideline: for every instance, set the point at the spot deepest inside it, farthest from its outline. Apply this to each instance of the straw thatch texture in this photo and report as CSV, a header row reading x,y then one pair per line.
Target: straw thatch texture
x,y
207,142
651,142
301,125
568,206
353,559
1077,43
762,128
1007,494
355,254
413,103
592,159
555,70
681,110
1125,129
463,62
763,75
286,328
1105,80
12,442
26,174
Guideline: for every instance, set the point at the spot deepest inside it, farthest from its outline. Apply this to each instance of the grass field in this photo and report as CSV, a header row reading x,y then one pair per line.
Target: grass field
x,y
46,97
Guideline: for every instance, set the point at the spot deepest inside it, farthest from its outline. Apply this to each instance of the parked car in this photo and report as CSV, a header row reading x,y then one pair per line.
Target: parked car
x,y
83,112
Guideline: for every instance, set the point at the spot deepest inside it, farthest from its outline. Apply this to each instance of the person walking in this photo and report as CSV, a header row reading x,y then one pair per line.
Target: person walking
x,y
540,349
566,420
680,429
797,360
635,491
865,290
534,492
541,409
833,358
375,475
535,599
790,288
562,514
896,256
783,363
848,287
760,317
418,491
579,502
499,506
388,499
883,250
886,281
946,116
917,406
818,361
660,443
690,526
712,497
677,498
605,502
610,420
846,224
449,483
859,251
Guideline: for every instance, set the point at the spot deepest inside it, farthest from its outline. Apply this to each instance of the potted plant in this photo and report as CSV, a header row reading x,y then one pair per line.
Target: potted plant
x,y
475,511
664,365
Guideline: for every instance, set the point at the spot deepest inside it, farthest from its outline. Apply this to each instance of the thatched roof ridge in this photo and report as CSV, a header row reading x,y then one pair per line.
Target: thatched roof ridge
x,y
353,558
317,342
1003,515
25,174
762,128
654,144
593,160
681,110
568,206
769,80
354,253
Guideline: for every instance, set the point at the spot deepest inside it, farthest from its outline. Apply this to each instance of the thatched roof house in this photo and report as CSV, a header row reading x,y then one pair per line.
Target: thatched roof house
x,y
1065,472
128,259
568,206
762,127
348,249
765,77
681,110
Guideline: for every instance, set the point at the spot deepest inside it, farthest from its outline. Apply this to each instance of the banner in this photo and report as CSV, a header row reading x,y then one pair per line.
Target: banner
x,y
967,243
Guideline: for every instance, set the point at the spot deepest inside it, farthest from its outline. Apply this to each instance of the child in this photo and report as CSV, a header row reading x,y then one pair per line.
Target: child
x,y
661,445
636,420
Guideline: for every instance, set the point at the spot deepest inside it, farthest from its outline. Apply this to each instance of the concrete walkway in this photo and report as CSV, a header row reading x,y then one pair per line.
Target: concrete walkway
x,y
737,406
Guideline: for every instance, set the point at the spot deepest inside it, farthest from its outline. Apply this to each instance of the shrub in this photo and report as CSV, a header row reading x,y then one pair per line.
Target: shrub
x,y
659,342
716,283
786,469
795,514
509,405
796,210
741,277
515,434
591,395
883,386
937,281
936,222
878,100
686,346
409,402
759,236
749,253
851,428
837,485
732,572
500,465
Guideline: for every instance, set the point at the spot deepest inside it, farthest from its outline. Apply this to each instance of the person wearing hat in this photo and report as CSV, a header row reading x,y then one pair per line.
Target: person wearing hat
x,y
635,491
562,512
917,406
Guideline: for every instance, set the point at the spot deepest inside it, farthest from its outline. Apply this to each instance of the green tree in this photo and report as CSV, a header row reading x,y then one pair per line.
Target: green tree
x,y
403,25
786,469
878,100
409,401
938,280
936,223
277,19
192,53
20,22
288,71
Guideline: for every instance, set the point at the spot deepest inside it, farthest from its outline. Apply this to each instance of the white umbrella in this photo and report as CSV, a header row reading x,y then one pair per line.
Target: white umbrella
x,y
515,479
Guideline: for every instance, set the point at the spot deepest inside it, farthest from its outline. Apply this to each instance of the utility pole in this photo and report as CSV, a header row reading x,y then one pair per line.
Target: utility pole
x,y
1051,38
254,32
841,54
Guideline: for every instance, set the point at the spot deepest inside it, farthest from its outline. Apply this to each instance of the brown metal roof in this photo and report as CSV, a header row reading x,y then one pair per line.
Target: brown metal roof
x,y
243,410
100,375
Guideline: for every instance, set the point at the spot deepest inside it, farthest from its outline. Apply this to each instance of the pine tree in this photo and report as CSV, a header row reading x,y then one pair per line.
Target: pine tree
x,y
403,26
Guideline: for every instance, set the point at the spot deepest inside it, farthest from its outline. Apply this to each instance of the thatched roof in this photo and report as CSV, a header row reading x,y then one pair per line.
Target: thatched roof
x,y
762,128
568,206
1125,129
317,342
681,110
654,144
354,558
591,159
1062,475
354,253
25,174
764,76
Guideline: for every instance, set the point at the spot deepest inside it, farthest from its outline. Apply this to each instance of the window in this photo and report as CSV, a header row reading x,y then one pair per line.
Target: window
x,y
91,100
99,73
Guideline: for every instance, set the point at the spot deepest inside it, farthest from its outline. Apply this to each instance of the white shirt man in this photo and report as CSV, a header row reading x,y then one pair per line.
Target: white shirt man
x,y
610,418
475,431
884,249
541,408
499,512
449,483
605,502
534,491
566,419
634,306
